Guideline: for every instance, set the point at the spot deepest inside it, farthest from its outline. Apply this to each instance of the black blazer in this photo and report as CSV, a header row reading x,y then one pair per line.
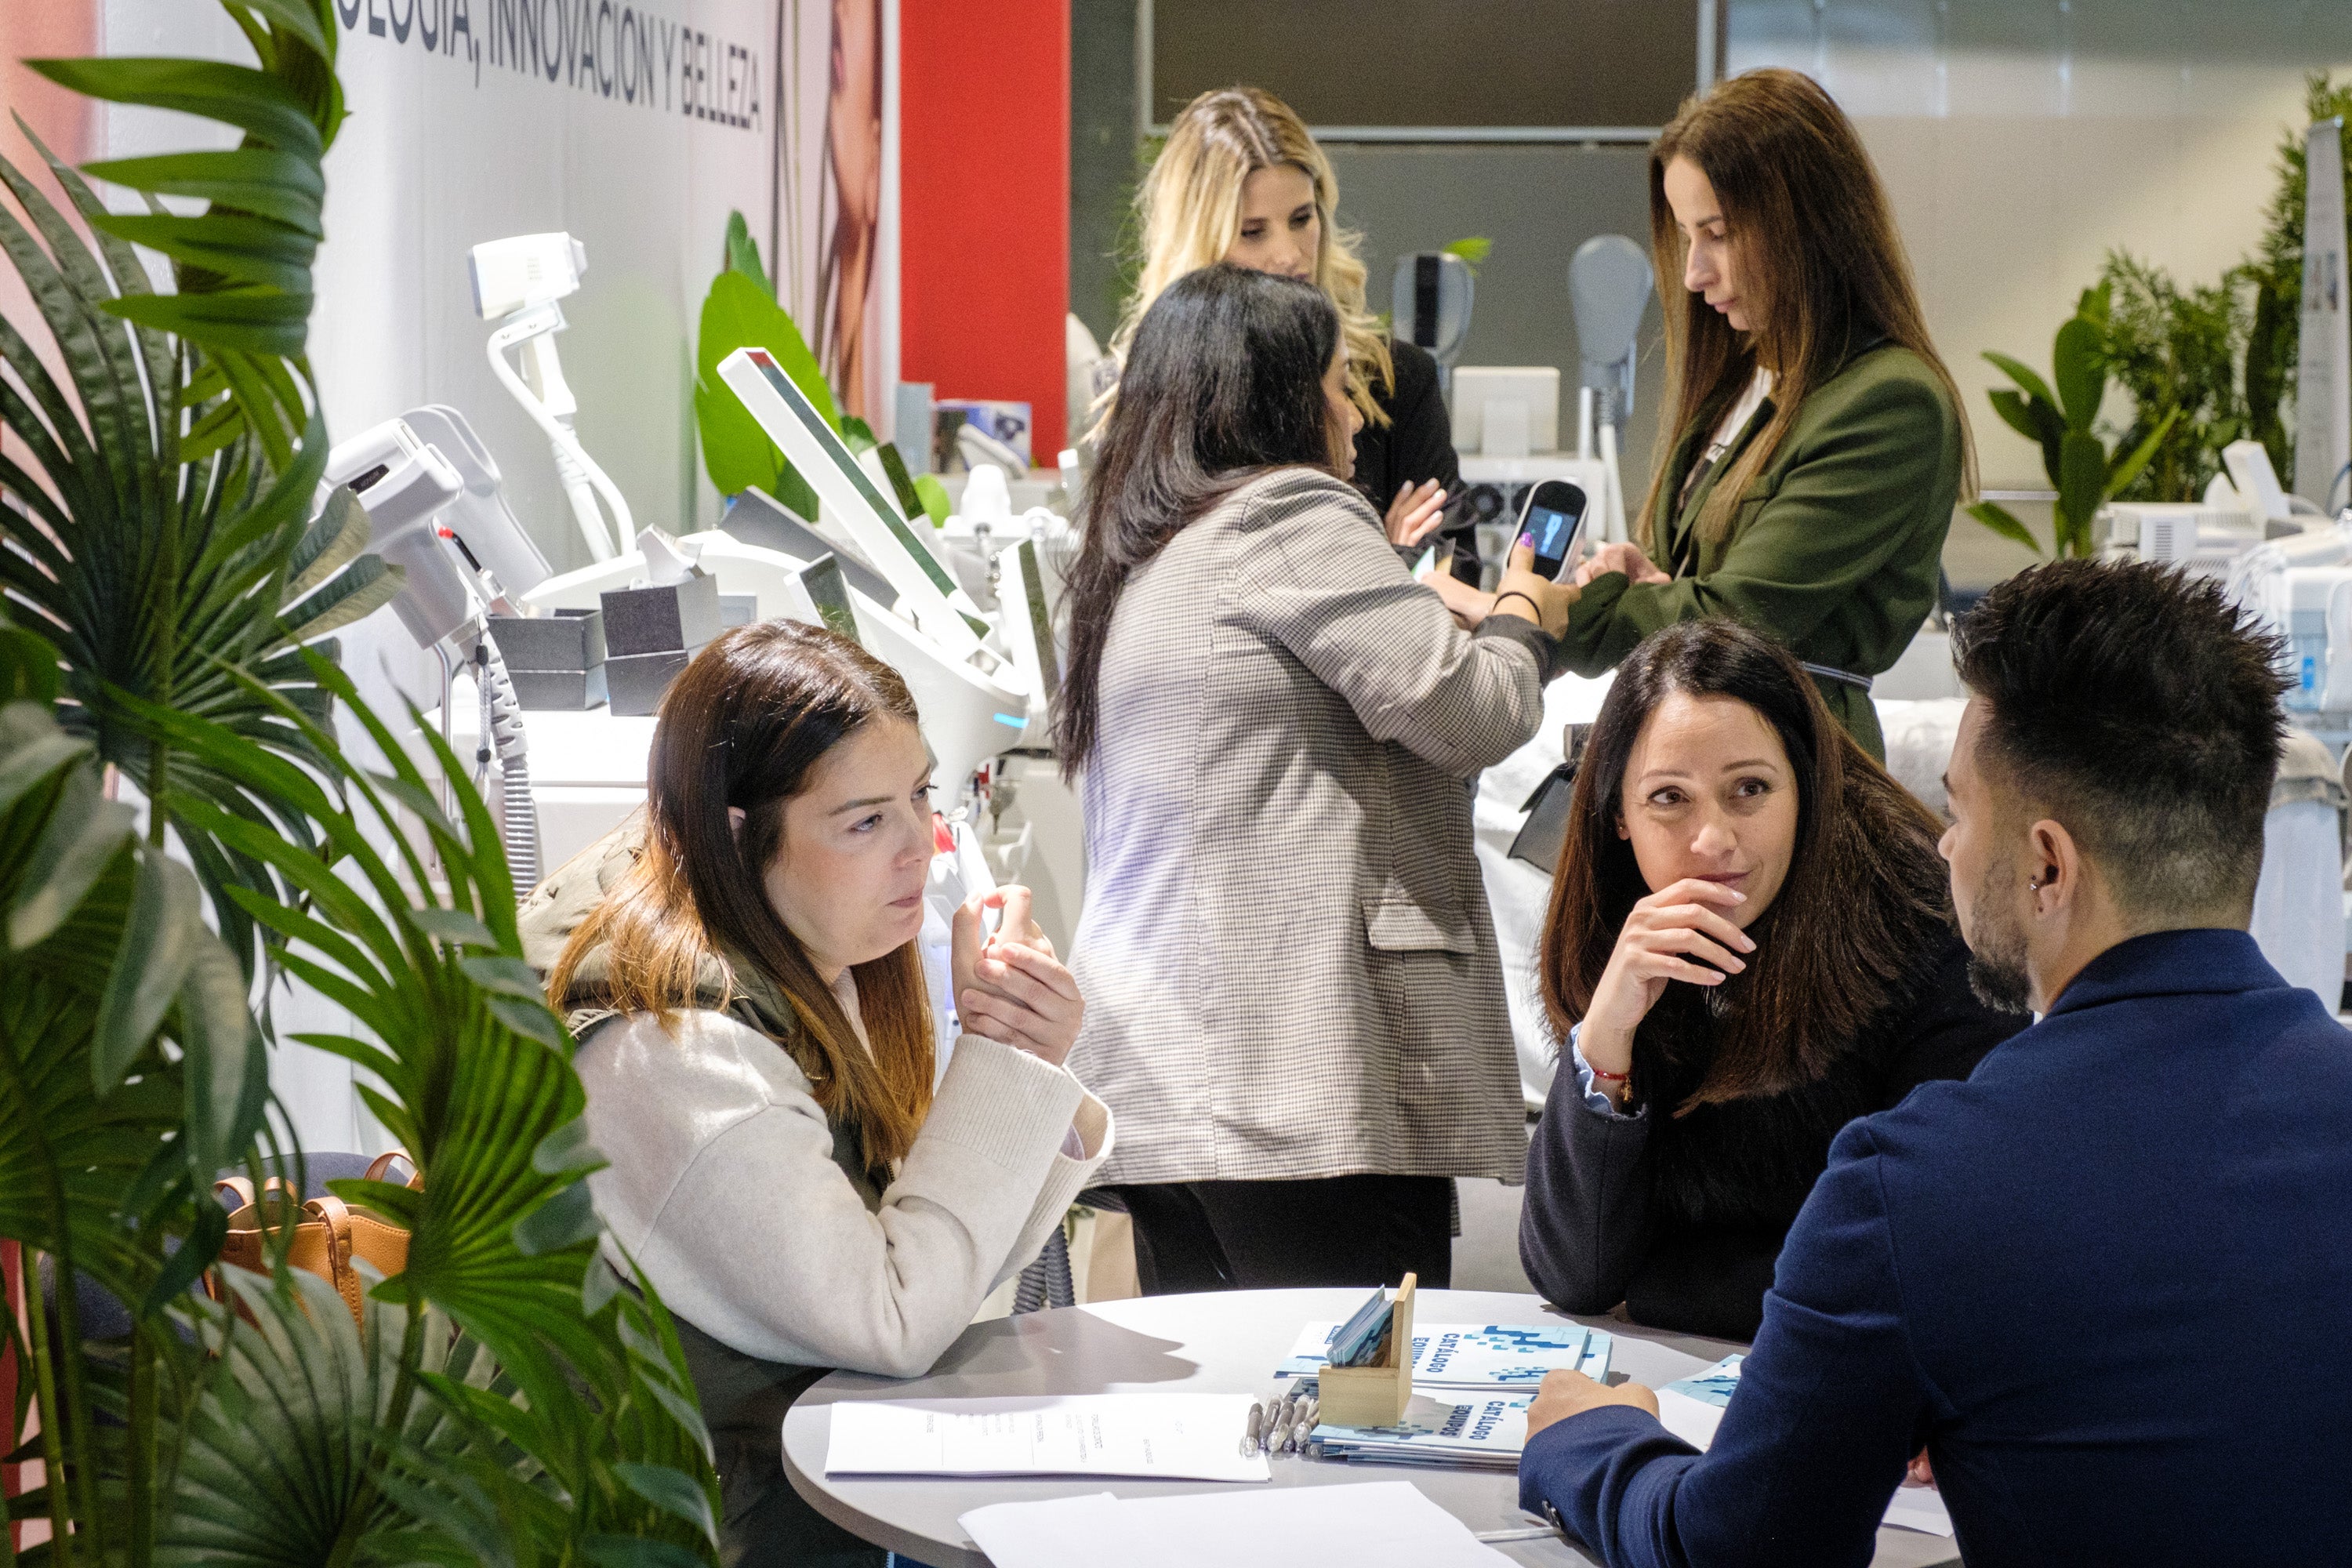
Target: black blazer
x,y
1417,443
1681,1217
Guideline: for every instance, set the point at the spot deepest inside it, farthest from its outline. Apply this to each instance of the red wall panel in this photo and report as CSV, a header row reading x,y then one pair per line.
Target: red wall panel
x,y
984,203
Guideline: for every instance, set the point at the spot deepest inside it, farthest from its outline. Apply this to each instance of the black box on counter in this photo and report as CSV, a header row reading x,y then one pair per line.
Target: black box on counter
x,y
634,682
564,640
558,691
671,618
555,661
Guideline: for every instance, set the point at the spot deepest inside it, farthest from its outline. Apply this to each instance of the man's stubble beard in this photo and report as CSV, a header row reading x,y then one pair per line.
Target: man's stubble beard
x,y
1996,942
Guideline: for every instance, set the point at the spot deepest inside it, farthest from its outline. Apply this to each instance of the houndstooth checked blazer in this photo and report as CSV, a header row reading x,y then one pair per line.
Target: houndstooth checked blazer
x,y
1286,952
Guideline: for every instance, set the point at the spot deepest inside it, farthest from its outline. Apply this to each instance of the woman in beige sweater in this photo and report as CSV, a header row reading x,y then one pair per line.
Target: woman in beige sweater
x,y
740,971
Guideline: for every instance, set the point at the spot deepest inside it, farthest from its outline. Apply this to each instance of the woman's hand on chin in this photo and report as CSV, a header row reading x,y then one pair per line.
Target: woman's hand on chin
x,y
1663,937
1010,987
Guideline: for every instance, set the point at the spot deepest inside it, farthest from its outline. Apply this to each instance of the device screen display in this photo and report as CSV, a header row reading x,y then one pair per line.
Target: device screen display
x,y
1550,530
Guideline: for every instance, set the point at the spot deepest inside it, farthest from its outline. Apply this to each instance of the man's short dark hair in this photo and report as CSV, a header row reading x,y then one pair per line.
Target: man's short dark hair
x,y
2139,705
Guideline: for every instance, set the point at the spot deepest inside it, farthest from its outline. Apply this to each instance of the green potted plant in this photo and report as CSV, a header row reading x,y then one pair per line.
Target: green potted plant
x,y
2175,349
2082,470
504,1397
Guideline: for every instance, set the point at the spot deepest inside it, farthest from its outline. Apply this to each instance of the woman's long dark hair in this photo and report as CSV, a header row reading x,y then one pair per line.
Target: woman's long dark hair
x,y
743,725
1224,380
1819,259
1865,896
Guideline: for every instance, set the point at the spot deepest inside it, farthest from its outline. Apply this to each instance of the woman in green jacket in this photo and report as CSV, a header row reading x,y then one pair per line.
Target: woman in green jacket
x,y
1819,447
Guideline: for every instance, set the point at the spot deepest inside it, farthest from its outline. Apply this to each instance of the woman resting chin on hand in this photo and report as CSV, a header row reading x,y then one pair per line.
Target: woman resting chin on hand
x,y
1751,937
740,968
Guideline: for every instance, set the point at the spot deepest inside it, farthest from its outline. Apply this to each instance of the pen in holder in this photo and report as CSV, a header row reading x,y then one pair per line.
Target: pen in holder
x,y
1373,1395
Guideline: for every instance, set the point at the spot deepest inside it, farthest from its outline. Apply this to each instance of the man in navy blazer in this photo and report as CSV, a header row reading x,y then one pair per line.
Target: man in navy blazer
x,y
2106,1283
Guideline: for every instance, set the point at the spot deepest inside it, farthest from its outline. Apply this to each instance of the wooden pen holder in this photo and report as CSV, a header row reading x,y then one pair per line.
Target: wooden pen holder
x,y
1373,1395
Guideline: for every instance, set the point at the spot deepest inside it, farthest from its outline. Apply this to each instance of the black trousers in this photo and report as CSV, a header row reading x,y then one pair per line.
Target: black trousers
x,y
1260,1235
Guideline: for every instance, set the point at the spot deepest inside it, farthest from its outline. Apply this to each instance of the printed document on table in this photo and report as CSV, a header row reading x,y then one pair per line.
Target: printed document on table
x,y
1692,1408
1167,1436
1383,1524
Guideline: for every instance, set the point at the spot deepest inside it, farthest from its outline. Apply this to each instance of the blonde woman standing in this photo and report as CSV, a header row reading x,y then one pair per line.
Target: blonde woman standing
x,y
1241,181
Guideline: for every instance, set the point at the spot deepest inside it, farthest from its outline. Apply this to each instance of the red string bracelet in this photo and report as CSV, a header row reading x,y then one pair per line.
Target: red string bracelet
x,y
1611,1077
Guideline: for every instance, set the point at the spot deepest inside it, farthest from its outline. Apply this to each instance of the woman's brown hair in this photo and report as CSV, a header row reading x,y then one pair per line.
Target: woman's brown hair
x,y
1818,261
1866,897
744,725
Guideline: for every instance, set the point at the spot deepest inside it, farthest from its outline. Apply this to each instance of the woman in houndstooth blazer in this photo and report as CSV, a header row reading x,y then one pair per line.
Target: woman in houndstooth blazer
x,y
1294,1007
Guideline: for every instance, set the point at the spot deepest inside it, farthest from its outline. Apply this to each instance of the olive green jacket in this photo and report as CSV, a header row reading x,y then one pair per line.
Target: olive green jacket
x,y
1834,549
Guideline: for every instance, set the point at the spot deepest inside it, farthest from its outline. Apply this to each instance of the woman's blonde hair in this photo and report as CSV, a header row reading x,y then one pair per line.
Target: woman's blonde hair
x,y
1819,259
1190,211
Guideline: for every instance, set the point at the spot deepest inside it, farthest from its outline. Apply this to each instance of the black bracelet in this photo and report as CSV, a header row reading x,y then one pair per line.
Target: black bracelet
x,y
1518,593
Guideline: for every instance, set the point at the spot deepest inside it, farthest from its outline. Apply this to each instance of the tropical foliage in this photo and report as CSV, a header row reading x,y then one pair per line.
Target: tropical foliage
x,y
2082,470
2175,351
170,581
162,526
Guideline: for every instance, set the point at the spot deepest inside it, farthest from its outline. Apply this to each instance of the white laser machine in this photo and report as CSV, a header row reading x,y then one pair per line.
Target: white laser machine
x,y
517,283
970,714
416,501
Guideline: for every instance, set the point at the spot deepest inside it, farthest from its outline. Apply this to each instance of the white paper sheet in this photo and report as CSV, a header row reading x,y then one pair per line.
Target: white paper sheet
x,y
1168,1436
1913,1508
1383,1524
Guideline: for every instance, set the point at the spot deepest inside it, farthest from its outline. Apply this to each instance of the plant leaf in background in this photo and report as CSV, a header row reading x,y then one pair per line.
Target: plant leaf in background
x,y
1473,250
2005,522
242,266
738,454
2175,350
2084,472
743,254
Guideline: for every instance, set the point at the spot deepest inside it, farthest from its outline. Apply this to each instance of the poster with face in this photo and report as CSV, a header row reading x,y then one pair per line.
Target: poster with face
x,y
835,226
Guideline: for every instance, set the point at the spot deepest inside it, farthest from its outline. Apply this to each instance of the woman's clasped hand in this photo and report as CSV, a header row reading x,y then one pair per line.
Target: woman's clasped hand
x,y
1684,931
1010,986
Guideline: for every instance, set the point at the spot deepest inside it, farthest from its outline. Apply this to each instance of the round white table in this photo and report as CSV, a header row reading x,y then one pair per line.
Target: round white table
x,y
1224,1343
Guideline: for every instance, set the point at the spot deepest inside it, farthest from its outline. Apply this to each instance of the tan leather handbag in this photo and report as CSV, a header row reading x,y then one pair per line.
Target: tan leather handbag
x,y
327,1239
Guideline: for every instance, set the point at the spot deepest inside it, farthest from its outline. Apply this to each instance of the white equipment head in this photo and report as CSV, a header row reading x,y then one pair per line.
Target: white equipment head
x,y
510,275
404,484
1608,289
480,521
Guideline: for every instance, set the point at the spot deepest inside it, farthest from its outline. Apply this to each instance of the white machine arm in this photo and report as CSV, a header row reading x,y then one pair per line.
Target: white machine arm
x,y
548,399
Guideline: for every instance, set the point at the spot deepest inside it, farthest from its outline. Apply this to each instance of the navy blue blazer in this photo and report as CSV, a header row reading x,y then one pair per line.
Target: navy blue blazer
x,y
2105,1281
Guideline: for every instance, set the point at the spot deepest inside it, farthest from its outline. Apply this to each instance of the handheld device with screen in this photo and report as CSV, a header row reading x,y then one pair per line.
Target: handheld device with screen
x,y
1553,520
